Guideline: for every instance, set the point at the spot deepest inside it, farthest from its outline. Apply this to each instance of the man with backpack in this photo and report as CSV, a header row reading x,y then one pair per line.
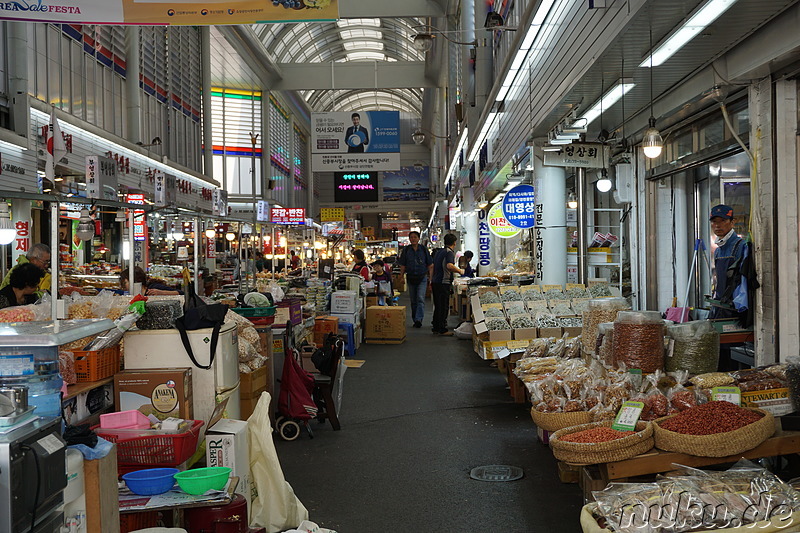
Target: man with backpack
x,y
417,265
444,267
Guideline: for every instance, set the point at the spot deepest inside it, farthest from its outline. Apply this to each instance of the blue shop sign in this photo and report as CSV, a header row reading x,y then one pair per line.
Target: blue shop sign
x,y
519,206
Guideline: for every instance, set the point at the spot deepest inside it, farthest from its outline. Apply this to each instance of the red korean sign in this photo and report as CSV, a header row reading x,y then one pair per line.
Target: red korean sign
x,y
23,240
295,216
139,224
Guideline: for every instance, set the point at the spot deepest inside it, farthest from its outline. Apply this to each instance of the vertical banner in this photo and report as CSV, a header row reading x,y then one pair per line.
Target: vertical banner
x,y
160,187
211,248
92,177
21,215
484,239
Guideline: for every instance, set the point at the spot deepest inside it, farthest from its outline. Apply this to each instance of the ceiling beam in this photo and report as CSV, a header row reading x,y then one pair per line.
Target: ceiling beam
x,y
364,75
390,8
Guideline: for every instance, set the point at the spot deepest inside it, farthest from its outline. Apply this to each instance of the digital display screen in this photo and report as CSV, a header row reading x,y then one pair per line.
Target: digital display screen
x,y
355,186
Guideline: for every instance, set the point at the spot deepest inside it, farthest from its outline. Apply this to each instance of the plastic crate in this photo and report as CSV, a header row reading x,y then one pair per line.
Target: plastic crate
x,y
262,320
96,365
152,450
255,311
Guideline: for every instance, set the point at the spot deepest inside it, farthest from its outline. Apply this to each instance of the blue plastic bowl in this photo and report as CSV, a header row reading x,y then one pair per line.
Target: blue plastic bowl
x,y
151,481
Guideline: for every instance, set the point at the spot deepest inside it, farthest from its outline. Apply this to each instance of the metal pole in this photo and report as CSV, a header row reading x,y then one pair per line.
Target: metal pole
x,y
197,236
580,185
273,248
131,259
253,139
54,256
205,55
241,268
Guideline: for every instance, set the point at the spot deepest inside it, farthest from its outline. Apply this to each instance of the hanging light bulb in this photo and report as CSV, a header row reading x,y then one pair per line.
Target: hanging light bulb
x,y
210,233
603,184
230,236
85,228
7,231
652,143
572,203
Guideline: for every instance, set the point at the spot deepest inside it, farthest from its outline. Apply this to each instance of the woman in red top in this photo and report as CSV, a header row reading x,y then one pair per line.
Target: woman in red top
x,y
361,267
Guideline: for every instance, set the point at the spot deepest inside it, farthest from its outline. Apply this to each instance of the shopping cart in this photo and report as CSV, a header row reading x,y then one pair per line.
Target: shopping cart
x,y
295,402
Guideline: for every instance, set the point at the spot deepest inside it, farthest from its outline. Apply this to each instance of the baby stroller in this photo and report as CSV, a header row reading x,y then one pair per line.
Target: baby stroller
x,y
295,404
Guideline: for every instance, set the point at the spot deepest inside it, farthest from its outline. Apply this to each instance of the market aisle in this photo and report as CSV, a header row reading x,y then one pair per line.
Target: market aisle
x,y
416,418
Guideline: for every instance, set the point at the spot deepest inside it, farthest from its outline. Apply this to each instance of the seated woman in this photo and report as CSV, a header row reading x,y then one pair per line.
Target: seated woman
x,y
23,283
149,287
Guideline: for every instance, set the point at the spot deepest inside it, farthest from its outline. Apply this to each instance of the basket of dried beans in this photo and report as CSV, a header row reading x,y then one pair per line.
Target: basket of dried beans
x,y
714,429
599,443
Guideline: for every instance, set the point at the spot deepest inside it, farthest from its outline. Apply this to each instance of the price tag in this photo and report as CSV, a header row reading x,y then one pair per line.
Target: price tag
x,y
502,353
627,416
671,348
727,394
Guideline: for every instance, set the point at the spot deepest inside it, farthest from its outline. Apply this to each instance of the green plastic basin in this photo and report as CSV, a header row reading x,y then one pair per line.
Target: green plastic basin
x,y
200,480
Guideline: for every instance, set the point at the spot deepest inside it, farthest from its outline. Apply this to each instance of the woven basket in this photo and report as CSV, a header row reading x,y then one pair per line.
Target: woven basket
x,y
602,452
719,444
556,421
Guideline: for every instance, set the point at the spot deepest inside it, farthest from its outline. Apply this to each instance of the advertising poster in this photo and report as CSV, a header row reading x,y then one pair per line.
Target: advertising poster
x,y
355,133
170,12
409,184
355,162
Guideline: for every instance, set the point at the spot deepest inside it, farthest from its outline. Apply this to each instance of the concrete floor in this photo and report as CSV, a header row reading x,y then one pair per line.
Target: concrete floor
x,y
416,418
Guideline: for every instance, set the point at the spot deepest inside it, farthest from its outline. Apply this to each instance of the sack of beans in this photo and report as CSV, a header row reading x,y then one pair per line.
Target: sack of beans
x,y
639,340
714,429
597,442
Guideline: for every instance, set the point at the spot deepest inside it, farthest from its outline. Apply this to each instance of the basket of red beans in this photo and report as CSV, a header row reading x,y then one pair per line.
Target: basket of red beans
x,y
598,442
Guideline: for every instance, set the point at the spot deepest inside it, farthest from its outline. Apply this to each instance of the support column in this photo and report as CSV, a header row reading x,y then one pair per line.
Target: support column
x,y
551,233
310,183
469,217
18,76
580,188
761,126
293,200
132,91
265,148
467,77
787,216
208,139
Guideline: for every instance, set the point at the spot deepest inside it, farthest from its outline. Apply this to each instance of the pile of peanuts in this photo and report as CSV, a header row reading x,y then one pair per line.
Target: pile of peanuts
x,y
711,418
595,435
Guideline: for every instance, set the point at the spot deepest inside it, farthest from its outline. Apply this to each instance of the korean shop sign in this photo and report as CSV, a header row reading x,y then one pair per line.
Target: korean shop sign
x,y
587,155
519,207
498,224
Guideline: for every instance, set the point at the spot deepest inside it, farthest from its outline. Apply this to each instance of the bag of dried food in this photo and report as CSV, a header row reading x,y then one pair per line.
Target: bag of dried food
x,y
639,340
695,347
599,310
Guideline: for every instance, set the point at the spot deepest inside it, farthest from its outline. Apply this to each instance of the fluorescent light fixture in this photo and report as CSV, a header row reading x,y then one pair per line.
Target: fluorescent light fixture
x,y
498,197
462,141
524,48
560,142
551,148
607,100
703,17
570,136
476,148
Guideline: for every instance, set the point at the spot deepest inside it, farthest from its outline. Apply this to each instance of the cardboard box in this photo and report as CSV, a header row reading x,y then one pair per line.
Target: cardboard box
x,y
776,401
550,332
489,349
503,335
251,386
343,302
289,311
573,331
227,445
525,334
372,300
348,318
324,325
385,325
162,392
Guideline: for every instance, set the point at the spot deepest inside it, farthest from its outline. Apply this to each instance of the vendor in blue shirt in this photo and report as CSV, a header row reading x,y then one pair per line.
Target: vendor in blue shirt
x,y
727,259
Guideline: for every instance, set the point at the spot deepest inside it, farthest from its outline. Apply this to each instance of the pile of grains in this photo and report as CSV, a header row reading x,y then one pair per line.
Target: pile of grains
x,y
595,435
711,418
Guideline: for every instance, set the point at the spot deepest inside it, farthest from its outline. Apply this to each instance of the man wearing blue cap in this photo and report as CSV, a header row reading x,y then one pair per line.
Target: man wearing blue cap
x,y
727,259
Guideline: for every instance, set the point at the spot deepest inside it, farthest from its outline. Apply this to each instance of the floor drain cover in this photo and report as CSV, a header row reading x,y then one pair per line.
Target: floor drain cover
x,y
496,473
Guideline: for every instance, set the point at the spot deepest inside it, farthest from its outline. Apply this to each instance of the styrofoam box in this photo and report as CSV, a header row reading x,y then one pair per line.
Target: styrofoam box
x,y
344,302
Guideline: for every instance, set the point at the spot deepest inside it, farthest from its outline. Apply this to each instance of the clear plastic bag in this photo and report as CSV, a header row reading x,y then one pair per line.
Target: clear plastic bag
x,y
639,340
599,310
695,347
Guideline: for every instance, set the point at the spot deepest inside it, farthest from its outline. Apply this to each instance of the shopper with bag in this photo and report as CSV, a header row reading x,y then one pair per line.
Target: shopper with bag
x,y
442,284
417,265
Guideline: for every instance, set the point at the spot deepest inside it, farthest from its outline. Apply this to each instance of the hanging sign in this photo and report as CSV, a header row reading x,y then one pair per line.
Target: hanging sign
x,y
519,206
160,185
171,12
331,214
293,216
219,203
92,177
588,155
138,217
484,239
211,248
262,213
498,224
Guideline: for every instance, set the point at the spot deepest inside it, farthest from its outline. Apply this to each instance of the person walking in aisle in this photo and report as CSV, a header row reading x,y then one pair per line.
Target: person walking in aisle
x,y
417,265
442,283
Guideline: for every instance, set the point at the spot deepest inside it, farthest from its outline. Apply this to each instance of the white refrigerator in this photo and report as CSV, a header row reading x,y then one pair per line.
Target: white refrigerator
x,y
162,348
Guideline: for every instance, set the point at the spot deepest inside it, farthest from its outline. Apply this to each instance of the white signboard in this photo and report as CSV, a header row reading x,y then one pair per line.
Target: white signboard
x,y
263,211
171,189
92,176
160,185
355,162
219,203
101,177
588,155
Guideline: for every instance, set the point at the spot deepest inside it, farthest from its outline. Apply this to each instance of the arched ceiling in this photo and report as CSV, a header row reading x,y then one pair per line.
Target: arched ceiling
x,y
348,40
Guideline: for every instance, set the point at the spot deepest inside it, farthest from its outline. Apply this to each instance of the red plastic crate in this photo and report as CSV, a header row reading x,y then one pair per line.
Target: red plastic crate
x,y
158,450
